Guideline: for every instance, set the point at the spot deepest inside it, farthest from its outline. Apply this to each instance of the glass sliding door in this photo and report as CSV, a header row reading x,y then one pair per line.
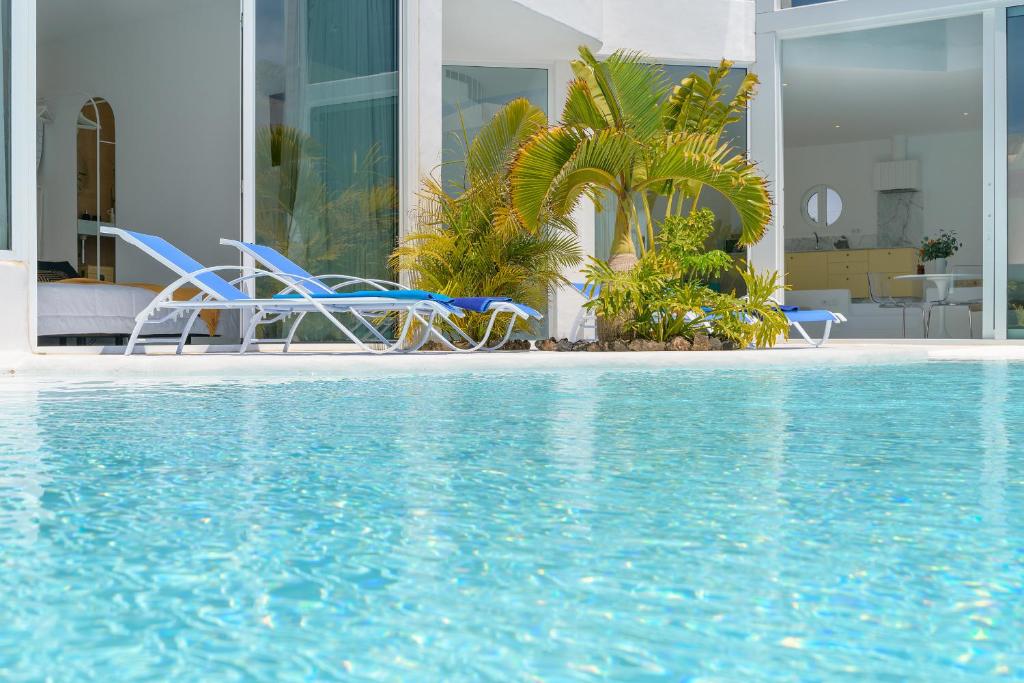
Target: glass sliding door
x,y
884,153
326,135
1015,172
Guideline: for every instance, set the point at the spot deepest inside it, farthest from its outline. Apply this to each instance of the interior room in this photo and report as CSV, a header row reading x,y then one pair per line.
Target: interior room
x,y
138,127
883,150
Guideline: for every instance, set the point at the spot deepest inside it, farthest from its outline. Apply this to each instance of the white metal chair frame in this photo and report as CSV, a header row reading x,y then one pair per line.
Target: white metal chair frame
x,y
425,312
295,283
969,304
887,301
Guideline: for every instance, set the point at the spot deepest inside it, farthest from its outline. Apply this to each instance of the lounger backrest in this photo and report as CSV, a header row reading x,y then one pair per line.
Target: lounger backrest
x,y
283,265
181,263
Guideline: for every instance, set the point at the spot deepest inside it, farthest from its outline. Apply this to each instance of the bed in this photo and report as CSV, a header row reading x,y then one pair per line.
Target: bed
x,y
75,310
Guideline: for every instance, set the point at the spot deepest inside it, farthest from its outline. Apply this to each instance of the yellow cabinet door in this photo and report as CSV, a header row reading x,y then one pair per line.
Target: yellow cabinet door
x,y
857,283
902,261
806,271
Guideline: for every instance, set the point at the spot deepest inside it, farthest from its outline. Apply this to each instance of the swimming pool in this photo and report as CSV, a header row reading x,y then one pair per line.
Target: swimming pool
x,y
845,523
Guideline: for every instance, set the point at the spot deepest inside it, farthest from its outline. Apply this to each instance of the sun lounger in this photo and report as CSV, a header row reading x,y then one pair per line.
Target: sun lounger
x,y
798,317
218,293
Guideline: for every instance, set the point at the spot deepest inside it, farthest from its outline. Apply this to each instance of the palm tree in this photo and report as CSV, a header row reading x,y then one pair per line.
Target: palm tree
x,y
621,133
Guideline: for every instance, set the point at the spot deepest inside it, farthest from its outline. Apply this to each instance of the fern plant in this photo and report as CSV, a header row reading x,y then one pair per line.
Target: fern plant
x,y
666,293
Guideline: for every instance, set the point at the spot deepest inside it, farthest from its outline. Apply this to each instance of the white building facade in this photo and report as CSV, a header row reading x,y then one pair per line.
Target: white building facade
x,y
192,124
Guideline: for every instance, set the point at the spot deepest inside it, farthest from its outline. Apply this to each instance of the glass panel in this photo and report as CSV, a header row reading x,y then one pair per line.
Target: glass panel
x,y
472,95
5,130
1015,172
884,128
327,135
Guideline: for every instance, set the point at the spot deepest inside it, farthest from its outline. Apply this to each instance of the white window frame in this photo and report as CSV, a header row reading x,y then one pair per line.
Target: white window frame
x,y
775,25
23,216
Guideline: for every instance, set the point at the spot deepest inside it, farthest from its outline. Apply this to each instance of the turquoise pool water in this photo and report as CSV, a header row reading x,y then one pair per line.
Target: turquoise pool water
x,y
849,523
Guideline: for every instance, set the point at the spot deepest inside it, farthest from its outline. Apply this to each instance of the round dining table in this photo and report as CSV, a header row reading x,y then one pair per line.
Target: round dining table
x,y
942,281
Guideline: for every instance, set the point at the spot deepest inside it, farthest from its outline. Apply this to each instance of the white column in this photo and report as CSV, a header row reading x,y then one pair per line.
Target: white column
x,y
421,79
766,150
565,304
18,274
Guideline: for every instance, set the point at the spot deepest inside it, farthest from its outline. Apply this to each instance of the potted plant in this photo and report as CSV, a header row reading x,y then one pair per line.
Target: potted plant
x,y
939,249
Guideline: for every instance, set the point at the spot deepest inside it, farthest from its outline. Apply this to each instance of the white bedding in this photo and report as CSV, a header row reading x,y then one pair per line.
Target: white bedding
x,y
70,309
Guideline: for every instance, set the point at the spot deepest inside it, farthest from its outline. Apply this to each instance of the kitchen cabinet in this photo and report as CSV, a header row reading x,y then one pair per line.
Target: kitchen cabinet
x,y
849,268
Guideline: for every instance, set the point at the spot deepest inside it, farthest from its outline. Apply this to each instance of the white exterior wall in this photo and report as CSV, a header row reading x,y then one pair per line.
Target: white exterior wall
x,y
683,31
14,306
17,267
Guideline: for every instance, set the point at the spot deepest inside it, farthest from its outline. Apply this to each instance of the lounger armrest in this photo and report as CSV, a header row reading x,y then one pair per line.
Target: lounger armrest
x,y
347,280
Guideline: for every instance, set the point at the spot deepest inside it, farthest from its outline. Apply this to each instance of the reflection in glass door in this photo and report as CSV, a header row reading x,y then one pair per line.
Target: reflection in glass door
x,y
1015,172
326,136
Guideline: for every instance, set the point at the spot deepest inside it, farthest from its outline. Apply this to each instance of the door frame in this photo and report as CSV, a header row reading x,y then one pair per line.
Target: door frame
x,y
24,176
775,25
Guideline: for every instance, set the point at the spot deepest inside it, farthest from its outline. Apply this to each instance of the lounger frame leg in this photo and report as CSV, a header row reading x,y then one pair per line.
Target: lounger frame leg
x,y
813,342
183,339
292,330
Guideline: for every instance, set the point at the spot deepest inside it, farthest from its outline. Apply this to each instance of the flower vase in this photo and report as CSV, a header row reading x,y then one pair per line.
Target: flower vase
x,y
937,266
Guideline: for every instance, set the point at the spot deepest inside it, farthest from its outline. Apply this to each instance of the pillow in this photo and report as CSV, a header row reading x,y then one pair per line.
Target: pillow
x,y
52,271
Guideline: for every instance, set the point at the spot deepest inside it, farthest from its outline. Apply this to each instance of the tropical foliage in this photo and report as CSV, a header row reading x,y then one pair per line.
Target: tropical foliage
x,y
624,131
665,294
470,240
654,149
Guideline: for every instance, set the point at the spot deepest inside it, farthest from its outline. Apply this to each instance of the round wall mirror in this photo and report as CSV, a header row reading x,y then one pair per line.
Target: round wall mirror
x,y
822,206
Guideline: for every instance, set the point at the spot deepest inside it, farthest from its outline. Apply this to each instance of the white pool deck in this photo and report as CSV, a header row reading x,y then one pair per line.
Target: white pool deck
x,y
333,362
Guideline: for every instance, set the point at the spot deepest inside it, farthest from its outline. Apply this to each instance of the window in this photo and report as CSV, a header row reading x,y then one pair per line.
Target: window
x,y
327,122
471,95
822,206
5,130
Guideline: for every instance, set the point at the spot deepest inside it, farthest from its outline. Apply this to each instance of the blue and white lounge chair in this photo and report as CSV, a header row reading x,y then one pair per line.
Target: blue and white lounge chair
x,y
326,287
217,293
797,318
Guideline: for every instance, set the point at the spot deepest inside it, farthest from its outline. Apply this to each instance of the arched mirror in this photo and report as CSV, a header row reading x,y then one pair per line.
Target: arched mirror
x,y
96,183
822,206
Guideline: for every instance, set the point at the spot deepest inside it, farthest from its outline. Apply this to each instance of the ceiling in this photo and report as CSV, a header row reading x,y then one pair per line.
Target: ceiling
x,y
873,85
506,31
